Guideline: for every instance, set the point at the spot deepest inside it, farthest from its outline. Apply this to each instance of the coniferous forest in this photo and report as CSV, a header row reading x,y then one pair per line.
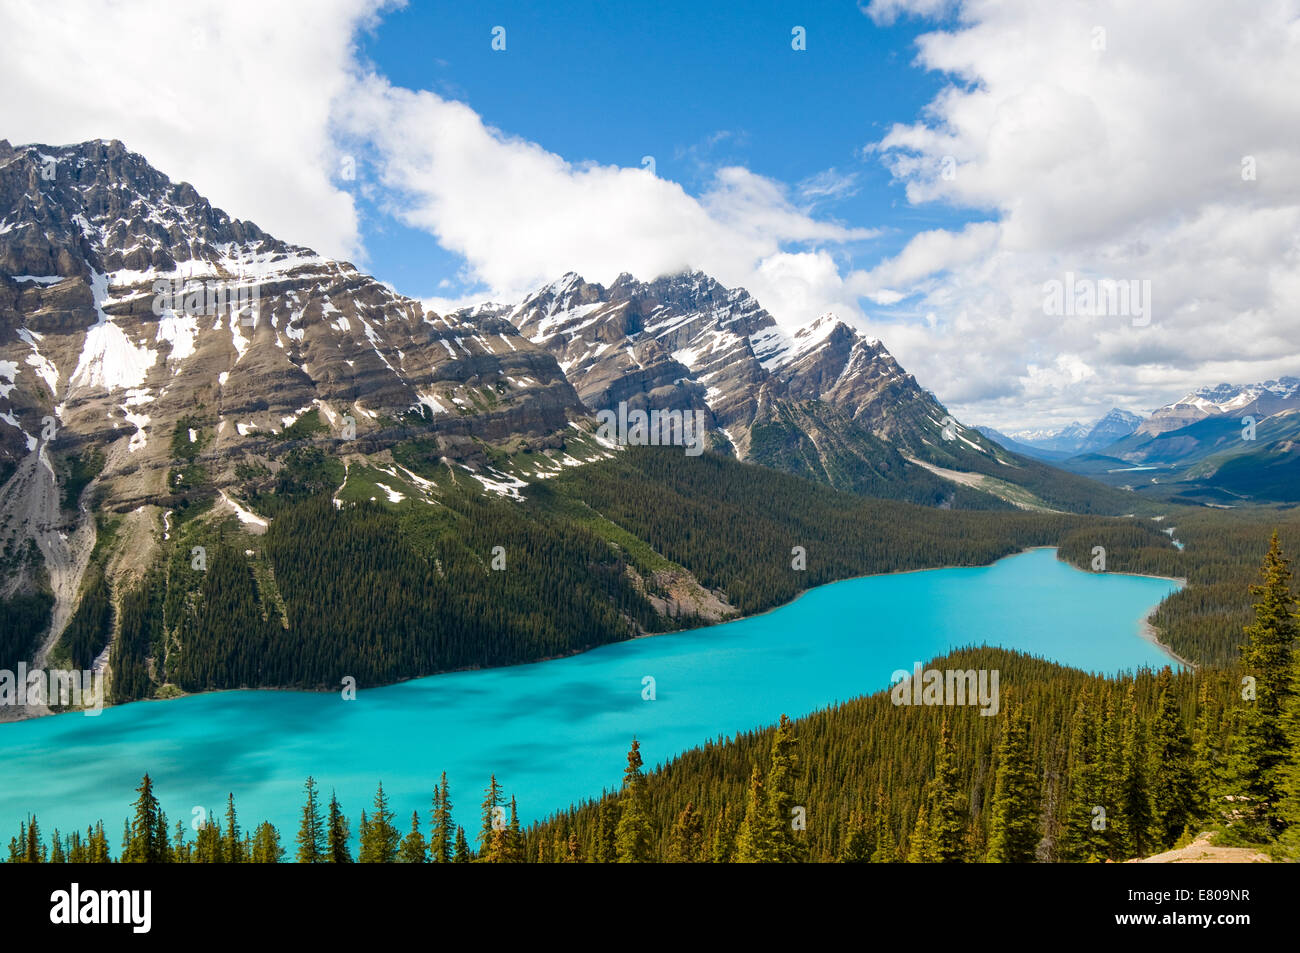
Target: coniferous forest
x,y
384,593
1073,768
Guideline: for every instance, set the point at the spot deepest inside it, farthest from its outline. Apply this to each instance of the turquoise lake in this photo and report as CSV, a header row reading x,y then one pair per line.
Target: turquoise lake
x,y
558,731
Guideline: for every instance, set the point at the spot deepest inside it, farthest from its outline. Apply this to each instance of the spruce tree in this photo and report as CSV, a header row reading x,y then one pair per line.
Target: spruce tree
x,y
492,833
413,849
920,847
463,854
513,852
754,839
209,846
337,834
947,819
1086,823
234,848
605,850
32,851
1171,784
886,849
442,839
98,846
56,849
722,848
631,836
686,840
1262,747
782,775
1014,828
379,836
265,848
1135,792
855,845
311,832
142,838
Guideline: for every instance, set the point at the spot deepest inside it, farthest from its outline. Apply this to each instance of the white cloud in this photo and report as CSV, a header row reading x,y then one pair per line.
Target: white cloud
x,y
232,96
522,216
1122,162
1112,155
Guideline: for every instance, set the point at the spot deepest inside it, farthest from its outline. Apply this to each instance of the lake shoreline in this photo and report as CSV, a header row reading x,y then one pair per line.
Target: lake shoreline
x,y
1146,631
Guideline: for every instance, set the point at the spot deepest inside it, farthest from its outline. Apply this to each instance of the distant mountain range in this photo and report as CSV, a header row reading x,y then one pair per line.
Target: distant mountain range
x,y
1071,439
1226,444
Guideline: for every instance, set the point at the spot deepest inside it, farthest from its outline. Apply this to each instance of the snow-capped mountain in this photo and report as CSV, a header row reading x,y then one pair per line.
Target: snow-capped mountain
x,y
128,302
1261,399
1116,425
1075,437
168,371
685,341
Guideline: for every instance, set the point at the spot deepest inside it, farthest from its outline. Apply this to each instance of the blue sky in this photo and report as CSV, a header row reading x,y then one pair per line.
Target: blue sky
x,y
694,88
1091,138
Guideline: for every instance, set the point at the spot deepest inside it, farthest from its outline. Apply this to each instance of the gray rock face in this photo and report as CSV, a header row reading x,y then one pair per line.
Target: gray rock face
x,y
685,341
254,333
1259,400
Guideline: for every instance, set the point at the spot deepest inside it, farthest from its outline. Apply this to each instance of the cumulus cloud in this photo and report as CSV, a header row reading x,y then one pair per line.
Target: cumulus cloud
x,y
232,96
1106,140
1128,141
521,215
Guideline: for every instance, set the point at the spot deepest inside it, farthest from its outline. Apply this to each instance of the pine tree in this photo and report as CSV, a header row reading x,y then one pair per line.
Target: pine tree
x,y
379,837
782,775
266,847
754,839
605,851
142,838
722,849
234,848
1135,792
492,835
920,848
311,832
443,836
413,849
337,835
947,820
1172,794
463,854
686,840
855,845
1014,828
1262,747
631,836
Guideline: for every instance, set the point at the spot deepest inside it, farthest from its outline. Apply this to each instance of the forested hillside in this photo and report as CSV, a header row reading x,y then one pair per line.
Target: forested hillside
x,y
649,541
1073,768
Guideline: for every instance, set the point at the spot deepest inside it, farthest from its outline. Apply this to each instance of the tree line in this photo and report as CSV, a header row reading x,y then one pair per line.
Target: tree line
x,y
1075,768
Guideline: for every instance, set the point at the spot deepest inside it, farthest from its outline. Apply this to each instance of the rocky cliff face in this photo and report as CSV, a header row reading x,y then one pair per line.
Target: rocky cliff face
x,y
146,336
127,302
685,341
1259,400
155,353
